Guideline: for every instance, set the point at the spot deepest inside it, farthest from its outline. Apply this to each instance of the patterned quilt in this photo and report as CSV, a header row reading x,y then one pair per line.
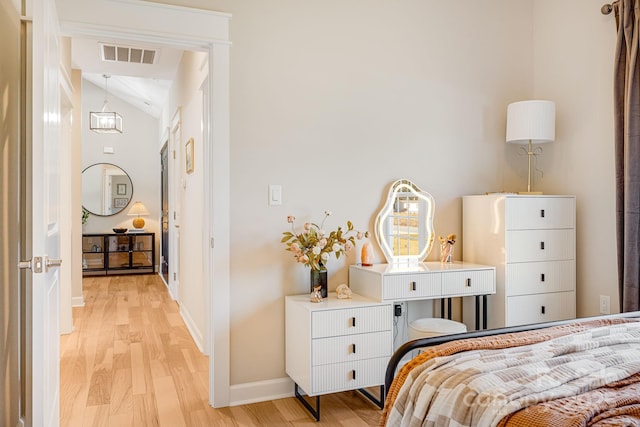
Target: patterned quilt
x,y
523,379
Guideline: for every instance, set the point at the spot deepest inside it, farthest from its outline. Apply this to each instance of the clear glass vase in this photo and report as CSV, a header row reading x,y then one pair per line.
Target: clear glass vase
x,y
446,252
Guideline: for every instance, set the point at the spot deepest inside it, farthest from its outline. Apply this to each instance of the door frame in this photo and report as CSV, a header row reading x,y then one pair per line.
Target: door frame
x,y
207,31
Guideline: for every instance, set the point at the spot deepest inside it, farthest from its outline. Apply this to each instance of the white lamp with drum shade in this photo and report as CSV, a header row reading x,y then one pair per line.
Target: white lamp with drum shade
x,y
531,122
137,210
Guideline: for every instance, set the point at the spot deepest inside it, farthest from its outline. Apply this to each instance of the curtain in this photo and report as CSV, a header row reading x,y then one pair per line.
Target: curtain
x,y
627,152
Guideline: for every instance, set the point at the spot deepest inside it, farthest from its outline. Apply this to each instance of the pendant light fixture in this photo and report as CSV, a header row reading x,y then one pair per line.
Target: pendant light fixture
x,y
105,121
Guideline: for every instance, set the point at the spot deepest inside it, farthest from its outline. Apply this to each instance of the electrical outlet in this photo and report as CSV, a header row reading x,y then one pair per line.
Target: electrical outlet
x,y
397,310
605,304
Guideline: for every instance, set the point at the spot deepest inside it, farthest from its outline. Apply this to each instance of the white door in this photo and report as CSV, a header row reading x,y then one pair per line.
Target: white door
x,y
42,188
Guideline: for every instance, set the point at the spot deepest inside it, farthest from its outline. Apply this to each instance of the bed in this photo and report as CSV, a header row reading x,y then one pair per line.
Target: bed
x,y
567,373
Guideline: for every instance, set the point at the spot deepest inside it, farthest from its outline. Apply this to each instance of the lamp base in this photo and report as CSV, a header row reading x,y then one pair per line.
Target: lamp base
x,y
531,193
138,222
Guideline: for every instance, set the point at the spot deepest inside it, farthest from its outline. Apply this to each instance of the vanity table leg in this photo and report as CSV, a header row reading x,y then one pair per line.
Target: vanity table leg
x,y
442,311
484,312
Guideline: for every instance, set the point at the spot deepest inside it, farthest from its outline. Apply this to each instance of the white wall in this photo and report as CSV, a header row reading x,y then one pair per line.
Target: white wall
x,y
574,54
185,95
135,152
334,100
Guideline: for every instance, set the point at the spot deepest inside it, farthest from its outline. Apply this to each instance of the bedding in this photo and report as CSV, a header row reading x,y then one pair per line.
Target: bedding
x,y
585,373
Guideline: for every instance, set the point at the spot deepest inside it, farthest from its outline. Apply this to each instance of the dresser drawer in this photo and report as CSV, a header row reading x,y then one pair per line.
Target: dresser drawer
x,y
526,309
524,213
540,277
471,282
406,286
348,321
540,245
351,347
348,375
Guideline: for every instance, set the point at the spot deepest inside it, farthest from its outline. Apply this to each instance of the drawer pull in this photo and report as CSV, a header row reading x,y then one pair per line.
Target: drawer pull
x,y
542,277
542,246
468,282
542,309
353,374
353,348
353,322
413,286
541,213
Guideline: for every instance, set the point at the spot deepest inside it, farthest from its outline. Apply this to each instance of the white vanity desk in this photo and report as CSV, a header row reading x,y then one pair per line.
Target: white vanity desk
x,y
426,281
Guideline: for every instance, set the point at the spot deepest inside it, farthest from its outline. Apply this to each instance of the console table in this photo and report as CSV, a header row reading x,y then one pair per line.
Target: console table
x,y
426,281
118,253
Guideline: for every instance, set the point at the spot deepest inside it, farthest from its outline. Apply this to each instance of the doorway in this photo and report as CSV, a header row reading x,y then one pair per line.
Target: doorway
x,y
164,218
208,31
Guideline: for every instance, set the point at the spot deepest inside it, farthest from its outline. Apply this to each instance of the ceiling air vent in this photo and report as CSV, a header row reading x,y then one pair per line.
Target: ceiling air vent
x,y
134,55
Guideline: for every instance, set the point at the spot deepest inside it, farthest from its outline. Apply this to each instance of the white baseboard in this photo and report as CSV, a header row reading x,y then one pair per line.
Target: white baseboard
x,y
77,302
193,329
260,391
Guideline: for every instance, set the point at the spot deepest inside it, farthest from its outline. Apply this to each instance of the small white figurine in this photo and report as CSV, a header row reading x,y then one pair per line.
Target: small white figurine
x,y
343,291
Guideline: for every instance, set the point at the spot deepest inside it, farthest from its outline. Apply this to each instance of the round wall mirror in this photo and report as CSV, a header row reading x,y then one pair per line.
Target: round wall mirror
x,y
404,226
106,189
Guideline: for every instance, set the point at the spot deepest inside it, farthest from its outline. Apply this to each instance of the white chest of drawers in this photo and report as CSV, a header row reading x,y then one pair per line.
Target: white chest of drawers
x,y
531,241
338,344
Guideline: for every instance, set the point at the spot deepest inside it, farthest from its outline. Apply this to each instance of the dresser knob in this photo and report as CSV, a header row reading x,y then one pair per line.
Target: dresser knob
x,y
542,309
542,277
353,348
541,213
353,374
468,282
413,286
353,322
542,246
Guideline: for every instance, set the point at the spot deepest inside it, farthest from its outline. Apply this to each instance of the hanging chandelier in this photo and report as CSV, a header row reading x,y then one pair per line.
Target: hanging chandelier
x,y
105,121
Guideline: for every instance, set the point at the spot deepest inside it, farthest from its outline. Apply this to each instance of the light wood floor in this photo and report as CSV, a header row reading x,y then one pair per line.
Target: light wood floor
x,y
131,362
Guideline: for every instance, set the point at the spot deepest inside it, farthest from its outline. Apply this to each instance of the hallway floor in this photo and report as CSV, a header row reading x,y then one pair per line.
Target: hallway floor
x,y
131,361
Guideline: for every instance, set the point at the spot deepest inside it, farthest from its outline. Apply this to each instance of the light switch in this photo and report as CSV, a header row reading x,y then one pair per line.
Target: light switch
x,y
275,195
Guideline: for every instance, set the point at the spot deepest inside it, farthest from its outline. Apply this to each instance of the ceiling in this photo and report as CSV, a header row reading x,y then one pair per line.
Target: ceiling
x,y
134,77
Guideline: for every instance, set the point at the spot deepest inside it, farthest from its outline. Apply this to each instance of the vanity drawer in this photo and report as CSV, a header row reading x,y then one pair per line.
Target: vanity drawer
x,y
348,375
524,213
540,277
472,282
351,347
407,286
348,321
540,245
527,309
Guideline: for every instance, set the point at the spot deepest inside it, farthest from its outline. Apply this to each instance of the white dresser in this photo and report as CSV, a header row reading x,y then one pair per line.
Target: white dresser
x,y
531,241
338,344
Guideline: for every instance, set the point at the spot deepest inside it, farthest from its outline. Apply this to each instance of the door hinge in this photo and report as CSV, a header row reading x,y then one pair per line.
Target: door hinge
x,y
174,154
174,277
212,243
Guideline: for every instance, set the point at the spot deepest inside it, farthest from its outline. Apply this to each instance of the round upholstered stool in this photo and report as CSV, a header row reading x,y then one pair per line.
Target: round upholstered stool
x,y
433,327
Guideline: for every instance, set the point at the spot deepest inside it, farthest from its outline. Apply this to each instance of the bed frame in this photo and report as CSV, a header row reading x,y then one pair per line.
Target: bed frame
x,y
409,346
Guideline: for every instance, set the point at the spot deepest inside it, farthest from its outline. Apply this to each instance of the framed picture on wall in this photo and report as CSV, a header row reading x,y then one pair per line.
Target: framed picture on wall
x,y
189,155
120,202
121,190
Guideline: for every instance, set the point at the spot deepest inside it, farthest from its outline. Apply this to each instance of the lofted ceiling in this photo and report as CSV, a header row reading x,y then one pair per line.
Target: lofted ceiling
x,y
140,74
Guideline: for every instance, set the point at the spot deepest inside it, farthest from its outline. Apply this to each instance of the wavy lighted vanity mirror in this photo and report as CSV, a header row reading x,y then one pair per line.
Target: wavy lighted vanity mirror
x,y
404,226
